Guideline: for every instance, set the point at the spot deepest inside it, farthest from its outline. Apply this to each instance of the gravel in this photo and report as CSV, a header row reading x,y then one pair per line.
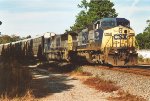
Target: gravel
x,y
63,87
132,83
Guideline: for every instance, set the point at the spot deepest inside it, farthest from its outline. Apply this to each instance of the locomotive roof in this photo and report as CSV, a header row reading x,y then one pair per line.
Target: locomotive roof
x,y
71,33
116,19
122,19
106,23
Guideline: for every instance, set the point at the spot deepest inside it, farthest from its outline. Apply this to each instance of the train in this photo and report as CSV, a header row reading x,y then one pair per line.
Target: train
x,y
106,41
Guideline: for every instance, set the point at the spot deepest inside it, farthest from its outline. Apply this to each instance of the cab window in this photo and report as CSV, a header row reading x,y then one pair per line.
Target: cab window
x,y
108,24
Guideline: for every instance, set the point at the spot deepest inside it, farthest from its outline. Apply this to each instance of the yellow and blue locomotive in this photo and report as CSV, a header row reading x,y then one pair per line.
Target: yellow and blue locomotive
x,y
109,40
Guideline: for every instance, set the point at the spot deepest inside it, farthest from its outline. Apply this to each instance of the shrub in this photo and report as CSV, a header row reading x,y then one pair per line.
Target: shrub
x,y
125,96
14,79
102,85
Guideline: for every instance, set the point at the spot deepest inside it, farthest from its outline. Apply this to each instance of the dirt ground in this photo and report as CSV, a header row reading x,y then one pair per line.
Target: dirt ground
x,y
51,86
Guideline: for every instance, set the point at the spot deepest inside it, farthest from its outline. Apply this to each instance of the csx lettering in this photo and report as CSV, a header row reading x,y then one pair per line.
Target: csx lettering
x,y
120,36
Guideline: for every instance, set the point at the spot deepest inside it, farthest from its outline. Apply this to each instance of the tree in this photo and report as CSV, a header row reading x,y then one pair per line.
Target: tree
x,y
80,22
14,38
7,38
92,11
29,36
143,39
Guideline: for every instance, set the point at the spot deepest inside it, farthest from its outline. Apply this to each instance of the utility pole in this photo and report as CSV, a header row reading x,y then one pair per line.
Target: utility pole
x,y
0,24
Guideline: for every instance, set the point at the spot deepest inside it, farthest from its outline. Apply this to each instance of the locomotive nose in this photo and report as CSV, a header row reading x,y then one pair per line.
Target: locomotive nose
x,y
120,37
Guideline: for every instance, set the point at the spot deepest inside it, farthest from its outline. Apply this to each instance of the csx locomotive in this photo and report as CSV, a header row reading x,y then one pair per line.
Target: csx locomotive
x,y
106,41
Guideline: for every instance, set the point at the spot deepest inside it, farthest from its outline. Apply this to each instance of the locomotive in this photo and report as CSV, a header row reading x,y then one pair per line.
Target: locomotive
x,y
106,41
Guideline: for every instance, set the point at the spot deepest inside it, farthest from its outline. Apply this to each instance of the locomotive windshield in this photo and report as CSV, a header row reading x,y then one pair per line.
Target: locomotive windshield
x,y
113,22
108,23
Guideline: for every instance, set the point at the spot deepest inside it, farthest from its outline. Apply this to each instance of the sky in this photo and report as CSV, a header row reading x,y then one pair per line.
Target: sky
x,y
36,17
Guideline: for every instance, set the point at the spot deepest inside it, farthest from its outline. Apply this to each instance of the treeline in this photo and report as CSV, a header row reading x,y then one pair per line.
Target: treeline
x,y
12,38
143,39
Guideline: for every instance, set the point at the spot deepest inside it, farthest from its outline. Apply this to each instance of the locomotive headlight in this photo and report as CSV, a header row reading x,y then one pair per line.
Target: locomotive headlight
x,y
120,30
130,51
116,51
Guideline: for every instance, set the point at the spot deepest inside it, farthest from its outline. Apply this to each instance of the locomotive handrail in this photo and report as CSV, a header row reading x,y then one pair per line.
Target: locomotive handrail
x,y
108,41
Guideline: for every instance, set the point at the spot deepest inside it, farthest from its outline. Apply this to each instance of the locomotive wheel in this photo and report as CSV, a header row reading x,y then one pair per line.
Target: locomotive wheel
x,y
114,60
89,58
133,59
72,56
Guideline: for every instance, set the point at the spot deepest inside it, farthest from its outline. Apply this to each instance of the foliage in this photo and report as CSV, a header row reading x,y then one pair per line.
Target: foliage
x,y
92,11
12,38
27,37
79,69
14,78
7,38
143,39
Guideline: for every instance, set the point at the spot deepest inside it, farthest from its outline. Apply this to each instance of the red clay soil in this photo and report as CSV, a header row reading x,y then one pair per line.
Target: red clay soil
x,y
102,85
124,96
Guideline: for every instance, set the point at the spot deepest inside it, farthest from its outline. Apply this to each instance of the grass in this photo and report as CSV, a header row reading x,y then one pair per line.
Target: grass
x,y
14,79
125,96
101,85
27,97
78,69
79,72
143,60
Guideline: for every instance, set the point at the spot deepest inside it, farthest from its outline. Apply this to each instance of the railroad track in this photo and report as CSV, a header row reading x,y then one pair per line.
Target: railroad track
x,y
138,69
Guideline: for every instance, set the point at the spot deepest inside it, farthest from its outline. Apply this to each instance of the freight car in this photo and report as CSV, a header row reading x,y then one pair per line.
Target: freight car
x,y
27,48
